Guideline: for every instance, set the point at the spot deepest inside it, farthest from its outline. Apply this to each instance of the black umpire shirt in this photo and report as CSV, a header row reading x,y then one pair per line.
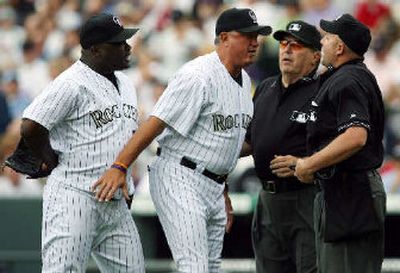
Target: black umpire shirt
x,y
279,122
348,96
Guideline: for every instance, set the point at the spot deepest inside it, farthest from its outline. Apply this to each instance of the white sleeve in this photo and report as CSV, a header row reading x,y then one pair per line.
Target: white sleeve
x,y
53,104
180,104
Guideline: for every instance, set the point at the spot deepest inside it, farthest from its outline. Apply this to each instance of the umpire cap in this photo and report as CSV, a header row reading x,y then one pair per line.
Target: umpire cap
x,y
240,20
352,32
302,31
104,28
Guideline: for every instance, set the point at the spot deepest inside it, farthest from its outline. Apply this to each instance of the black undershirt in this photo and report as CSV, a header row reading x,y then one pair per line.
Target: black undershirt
x,y
238,79
111,77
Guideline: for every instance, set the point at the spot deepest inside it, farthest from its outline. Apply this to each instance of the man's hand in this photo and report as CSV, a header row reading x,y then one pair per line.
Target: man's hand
x,y
303,172
229,212
109,183
283,165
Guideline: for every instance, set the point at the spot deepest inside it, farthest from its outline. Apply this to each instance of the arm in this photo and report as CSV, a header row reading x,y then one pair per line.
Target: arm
x,y
113,179
342,147
37,139
246,149
228,210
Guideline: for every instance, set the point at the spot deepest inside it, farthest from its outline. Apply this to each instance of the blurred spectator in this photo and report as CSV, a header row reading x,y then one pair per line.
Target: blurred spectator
x,y
12,38
17,99
380,59
53,45
93,7
36,26
393,121
72,48
33,74
144,79
370,12
22,8
68,16
5,117
391,174
267,13
58,65
315,10
175,45
205,13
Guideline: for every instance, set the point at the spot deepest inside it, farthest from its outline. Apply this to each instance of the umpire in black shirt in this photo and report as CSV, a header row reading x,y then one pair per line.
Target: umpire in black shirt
x,y
283,237
345,140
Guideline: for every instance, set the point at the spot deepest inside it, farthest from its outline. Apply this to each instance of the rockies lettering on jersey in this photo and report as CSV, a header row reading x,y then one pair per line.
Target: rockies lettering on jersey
x,y
222,123
101,118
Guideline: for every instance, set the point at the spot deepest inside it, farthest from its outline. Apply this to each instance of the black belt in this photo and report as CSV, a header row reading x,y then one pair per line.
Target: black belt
x,y
220,179
281,186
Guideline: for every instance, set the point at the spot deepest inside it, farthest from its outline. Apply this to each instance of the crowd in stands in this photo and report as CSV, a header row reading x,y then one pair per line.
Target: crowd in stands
x,y
40,38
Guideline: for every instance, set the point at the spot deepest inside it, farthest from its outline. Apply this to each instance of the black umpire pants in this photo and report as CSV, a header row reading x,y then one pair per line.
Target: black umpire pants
x,y
362,255
282,232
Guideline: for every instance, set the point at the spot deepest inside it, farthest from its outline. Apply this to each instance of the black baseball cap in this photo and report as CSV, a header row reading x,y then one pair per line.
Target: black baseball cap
x,y
302,31
240,20
353,33
104,28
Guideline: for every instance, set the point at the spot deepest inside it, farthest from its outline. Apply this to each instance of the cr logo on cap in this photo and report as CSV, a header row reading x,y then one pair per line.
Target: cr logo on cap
x,y
294,27
253,16
117,21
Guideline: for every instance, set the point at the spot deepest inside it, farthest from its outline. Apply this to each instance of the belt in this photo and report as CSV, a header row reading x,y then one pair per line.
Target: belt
x,y
220,179
281,186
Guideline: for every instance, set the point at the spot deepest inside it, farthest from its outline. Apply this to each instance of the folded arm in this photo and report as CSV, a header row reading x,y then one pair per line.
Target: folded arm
x,y
342,147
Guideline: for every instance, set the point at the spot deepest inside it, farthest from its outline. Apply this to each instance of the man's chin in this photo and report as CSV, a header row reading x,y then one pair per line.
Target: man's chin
x,y
249,61
122,67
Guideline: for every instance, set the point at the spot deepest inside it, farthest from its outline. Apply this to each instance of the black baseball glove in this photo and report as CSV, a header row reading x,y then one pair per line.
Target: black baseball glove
x,y
23,161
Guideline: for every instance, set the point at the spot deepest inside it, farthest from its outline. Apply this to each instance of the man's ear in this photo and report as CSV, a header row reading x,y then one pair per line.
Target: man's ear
x,y
341,47
316,58
223,36
95,50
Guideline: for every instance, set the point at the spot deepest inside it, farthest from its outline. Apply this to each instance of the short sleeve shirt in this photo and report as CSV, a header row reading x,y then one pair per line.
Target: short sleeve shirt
x,y
89,122
279,125
349,96
207,113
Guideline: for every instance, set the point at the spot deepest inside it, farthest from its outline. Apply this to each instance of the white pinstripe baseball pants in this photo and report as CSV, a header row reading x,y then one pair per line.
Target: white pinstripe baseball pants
x,y
75,225
191,209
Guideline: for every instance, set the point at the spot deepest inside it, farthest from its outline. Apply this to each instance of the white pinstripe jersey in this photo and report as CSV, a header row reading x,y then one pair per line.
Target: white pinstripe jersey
x,y
207,113
88,120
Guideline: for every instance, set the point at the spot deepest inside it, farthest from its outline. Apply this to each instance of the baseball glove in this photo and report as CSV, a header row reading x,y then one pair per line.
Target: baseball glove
x,y
23,161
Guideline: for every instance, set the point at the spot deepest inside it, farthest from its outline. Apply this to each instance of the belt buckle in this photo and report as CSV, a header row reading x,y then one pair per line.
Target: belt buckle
x,y
271,186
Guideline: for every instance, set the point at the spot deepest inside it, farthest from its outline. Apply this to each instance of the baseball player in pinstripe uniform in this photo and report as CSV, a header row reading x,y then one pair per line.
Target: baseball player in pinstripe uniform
x,y
202,117
84,117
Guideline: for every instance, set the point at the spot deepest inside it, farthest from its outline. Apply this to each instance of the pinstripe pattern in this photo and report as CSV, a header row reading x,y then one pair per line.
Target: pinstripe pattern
x,y
207,113
192,213
75,225
201,91
89,121
68,108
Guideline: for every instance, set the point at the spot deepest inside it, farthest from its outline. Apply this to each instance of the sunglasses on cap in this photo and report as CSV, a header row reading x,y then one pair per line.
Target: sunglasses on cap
x,y
294,45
